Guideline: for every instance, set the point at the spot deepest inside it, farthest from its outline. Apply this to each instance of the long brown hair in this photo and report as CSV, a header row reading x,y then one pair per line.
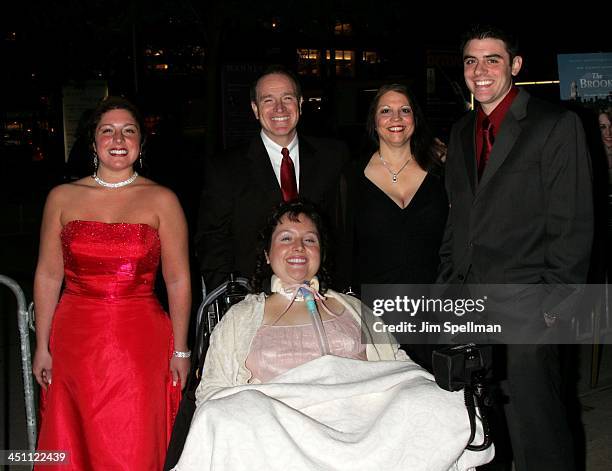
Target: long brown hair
x,y
422,143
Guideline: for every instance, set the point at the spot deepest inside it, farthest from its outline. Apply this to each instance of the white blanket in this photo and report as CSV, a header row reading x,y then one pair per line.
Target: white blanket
x,y
334,414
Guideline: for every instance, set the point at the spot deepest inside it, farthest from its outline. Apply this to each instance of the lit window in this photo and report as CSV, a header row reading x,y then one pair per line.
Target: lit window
x,y
370,57
344,55
344,61
149,52
308,54
343,29
340,55
308,61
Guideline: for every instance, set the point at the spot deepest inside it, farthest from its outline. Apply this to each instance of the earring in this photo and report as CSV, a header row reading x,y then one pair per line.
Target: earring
x,y
140,159
95,160
267,258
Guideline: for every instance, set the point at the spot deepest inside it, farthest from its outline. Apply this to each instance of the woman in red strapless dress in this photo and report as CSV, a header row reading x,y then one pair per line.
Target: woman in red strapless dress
x,y
110,361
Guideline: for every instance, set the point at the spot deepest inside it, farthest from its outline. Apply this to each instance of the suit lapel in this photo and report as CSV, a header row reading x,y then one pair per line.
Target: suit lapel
x,y
309,166
505,139
261,169
468,134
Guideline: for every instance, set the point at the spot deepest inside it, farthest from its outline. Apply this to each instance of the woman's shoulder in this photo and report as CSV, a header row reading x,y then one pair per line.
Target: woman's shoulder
x,y
70,190
362,161
250,302
157,196
345,299
243,311
355,172
153,188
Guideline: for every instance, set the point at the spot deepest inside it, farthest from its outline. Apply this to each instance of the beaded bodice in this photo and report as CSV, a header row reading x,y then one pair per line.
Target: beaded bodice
x,y
110,260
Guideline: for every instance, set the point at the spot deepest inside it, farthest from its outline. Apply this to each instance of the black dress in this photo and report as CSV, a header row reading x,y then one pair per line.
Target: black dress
x,y
394,245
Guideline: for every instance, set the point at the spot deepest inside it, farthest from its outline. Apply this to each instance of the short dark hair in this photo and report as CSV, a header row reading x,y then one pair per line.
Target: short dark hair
x,y
422,142
482,31
292,210
280,70
115,103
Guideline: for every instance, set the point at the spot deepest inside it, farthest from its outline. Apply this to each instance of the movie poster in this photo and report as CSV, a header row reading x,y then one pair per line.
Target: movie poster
x,y
586,78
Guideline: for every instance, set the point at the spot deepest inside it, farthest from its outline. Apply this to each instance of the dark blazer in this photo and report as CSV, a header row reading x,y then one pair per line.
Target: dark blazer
x,y
530,218
240,190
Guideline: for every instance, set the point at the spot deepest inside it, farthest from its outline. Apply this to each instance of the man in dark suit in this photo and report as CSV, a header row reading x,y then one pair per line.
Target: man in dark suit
x,y
242,186
519,186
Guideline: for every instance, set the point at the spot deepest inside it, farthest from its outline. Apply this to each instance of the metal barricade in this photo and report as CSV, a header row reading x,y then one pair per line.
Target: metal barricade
x,y
25,322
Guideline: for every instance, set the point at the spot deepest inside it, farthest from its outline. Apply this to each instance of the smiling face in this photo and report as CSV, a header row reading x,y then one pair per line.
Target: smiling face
x,y
295,250
117,140
277,107
394,119
488,71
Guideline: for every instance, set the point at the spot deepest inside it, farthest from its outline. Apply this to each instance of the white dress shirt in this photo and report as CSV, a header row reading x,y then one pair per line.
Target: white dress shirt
x,y
274,152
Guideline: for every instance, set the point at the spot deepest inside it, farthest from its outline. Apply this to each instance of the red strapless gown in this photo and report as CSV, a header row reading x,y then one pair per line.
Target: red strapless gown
x,y
111,404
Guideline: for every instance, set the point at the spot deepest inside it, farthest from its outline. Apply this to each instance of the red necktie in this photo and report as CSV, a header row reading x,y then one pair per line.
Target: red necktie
x,y
487,145
287,177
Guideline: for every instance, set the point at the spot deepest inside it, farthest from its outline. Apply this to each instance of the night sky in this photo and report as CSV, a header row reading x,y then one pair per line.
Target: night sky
x,y
75,39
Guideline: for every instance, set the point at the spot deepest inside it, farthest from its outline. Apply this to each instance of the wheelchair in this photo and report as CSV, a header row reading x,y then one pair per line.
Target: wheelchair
x,y
454,369
211,310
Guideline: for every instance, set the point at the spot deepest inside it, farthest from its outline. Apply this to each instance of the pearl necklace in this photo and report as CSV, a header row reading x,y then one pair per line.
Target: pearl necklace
x,y
101,182
393,174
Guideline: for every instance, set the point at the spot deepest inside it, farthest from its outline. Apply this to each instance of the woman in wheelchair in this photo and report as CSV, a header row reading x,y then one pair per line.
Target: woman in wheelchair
x,y
296,378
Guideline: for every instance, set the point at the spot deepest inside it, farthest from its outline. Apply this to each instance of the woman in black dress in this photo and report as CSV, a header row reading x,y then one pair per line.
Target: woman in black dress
x,y
399,202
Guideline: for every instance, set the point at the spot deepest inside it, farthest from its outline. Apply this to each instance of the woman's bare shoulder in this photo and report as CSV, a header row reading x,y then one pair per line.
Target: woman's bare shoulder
x,y
154,190
163,202
70,190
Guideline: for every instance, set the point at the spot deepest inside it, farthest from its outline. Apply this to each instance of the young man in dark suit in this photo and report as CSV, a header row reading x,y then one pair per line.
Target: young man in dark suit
x,y
242,186
519,186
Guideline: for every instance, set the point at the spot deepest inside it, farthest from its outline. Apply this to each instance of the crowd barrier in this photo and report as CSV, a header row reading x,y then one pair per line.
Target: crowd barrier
x,y
25,323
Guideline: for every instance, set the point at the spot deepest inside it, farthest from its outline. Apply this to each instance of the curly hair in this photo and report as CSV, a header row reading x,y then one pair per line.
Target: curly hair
x,y
422,144
292,210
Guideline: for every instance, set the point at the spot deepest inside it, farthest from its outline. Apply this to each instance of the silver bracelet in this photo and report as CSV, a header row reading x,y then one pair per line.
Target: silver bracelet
x,y
178,354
